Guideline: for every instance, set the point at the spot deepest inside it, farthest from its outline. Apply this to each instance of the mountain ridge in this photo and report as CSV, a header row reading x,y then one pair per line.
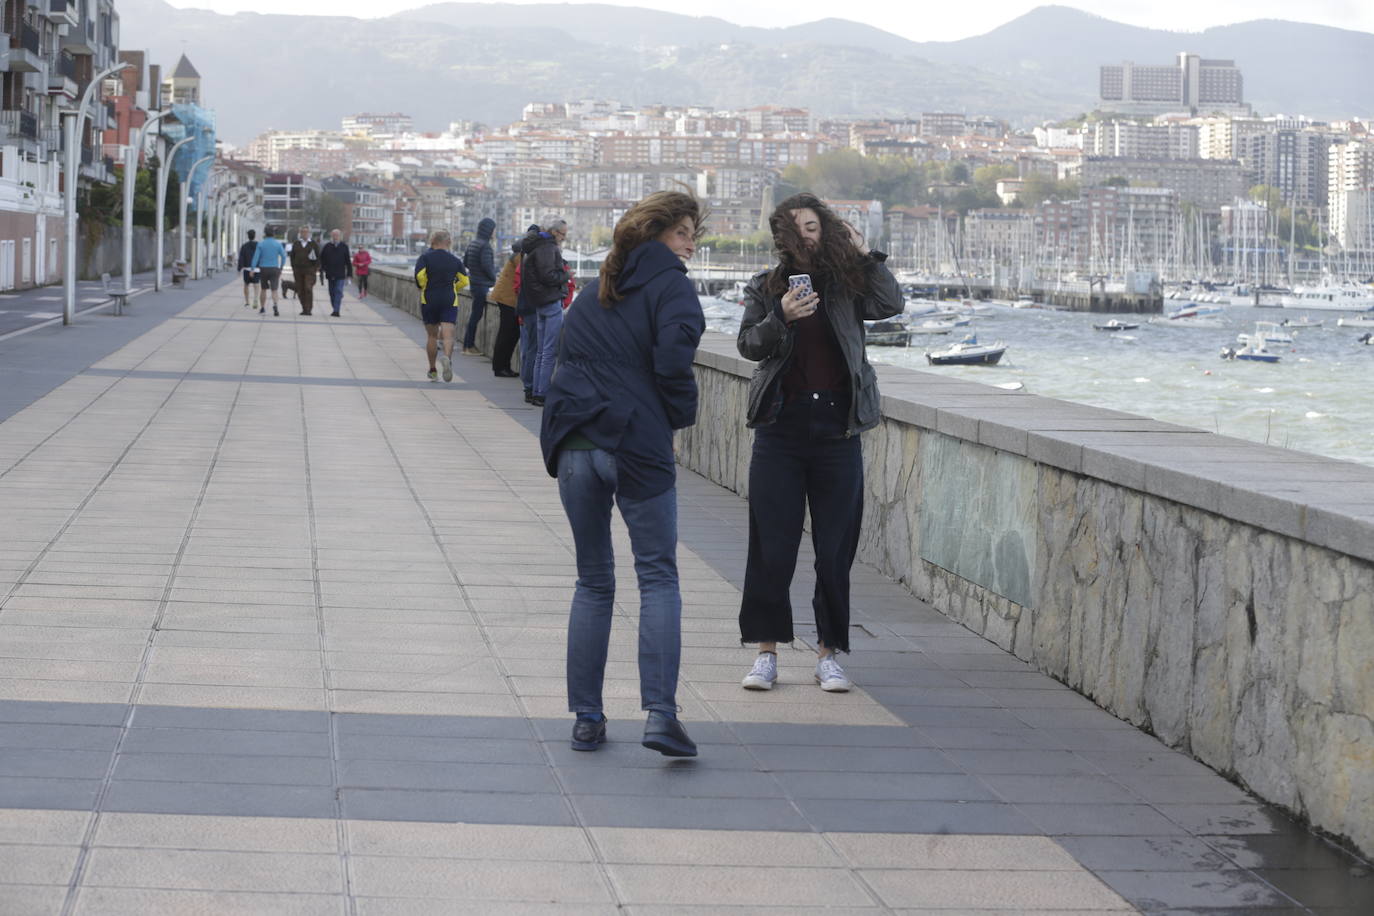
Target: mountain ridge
x,y
479,61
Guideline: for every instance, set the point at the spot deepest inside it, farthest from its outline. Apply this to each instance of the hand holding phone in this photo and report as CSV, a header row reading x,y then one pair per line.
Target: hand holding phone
x,y
801,300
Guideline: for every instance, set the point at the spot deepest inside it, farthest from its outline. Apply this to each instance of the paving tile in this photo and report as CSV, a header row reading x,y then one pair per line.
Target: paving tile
x,y
466,777
684,780
915,817
44,828
713,847
468,841
219,798
1144,853
687,813
1099,820
877,786
120,901
801,758
543,882
20,864
260,770
64,794
723,886
238,743
1235,888
246,834
1016,891
39,900
286,872
453,806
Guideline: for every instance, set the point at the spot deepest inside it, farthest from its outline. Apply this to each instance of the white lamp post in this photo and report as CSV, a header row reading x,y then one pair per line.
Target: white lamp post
x,y
185,199
163,166
131,154
75,122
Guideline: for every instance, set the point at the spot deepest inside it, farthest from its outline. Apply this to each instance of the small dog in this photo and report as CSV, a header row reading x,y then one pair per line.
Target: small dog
x,y
288,286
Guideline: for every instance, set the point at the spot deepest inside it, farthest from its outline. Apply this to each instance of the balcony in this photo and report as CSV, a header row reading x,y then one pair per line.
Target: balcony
x,y
80,39
53,139
23,50
62,77
19,124
63,12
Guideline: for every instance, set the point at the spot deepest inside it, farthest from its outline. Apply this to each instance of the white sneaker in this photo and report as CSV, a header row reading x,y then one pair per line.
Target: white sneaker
x,y
830,675
764,674
446,366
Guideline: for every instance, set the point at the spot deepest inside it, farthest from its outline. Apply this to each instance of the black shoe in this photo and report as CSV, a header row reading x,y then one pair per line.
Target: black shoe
x,y
506,373
335,315
537,401
588,733
529,396
665,734
274,311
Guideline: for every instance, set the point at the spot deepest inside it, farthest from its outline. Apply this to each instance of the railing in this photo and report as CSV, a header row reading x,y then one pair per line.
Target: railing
x,y
58,6
53,138
87,155
65,64
26,37
19,123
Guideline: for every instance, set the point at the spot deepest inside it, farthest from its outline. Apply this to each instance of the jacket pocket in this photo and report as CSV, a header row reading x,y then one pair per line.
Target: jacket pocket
x,y
759,387
867,408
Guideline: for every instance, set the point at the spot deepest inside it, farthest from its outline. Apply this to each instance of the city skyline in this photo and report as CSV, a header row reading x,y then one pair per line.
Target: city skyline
x,y
916,24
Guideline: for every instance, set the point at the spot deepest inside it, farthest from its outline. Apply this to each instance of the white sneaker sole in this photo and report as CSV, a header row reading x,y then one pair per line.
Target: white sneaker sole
x,y
757,683
834,686
446,367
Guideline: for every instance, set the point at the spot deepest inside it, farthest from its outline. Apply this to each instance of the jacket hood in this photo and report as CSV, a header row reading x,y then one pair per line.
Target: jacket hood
x,y
646,262
485,228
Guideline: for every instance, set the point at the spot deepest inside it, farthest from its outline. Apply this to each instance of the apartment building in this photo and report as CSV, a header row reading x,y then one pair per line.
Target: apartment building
x,y
1350,185
1109,228
626,182
1207,183
998,235
368,211
1192,83
1143,141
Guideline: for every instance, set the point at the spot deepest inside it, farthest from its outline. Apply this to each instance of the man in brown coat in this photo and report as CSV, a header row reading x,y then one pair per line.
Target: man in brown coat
x,y
305,266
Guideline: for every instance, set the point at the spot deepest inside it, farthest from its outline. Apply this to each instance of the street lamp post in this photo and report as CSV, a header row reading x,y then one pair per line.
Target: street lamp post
x,y
202,223
131,154
162,168
185,199
75,122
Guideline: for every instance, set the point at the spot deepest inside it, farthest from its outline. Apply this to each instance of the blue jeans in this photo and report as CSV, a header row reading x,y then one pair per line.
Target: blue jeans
x,y
529,349
587,486
550,326
479,305
336,288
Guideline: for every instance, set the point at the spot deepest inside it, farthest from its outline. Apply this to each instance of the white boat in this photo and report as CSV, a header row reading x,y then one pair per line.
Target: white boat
x,y
967,352
1116,324
1343,297
1254,351
1266,331
1193,316
1297,324
1357,321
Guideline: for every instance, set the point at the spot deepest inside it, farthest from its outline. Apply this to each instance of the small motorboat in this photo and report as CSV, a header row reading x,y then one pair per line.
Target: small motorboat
x,y
1193,316
1255,351
1266,331
1298,324
887,334
967,352
1358,321
1116,325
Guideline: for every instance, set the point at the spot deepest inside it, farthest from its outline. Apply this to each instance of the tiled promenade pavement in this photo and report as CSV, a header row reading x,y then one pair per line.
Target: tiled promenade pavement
x,y
282,630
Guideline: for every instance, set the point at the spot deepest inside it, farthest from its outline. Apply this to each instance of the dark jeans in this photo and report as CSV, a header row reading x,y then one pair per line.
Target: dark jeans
x,y
802,459
507,336
336,288
479,305
529,349
587,486
362,284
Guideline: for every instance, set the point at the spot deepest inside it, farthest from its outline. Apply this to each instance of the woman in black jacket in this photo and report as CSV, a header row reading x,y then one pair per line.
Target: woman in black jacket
x,y
811,395
622,384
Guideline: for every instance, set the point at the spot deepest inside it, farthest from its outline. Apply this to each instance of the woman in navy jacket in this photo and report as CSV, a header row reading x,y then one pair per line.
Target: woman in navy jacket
x,y
622,384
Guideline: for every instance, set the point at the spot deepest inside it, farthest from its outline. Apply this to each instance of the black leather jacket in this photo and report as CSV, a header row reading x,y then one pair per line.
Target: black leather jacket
x,y
766,338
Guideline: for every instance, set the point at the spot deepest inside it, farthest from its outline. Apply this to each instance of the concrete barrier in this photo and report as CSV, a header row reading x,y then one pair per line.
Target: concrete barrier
x,y
1212,591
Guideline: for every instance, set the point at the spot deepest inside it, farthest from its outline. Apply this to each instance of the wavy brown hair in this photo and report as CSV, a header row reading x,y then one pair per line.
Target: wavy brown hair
x,y
836,258
644,222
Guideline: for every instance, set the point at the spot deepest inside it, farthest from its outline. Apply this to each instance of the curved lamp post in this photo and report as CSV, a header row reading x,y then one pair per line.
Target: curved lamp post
x,y
131,154
163,165
76,120
185,199
202,220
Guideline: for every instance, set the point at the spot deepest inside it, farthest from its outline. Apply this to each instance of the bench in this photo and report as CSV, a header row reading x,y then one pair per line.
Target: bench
x,y
179,273
120,296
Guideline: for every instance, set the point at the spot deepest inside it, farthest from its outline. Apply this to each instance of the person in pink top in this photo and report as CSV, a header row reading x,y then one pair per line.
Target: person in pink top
x,y
362,262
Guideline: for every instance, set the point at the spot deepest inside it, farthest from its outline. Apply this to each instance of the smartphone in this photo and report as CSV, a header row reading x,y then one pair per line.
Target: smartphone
x,y
800,280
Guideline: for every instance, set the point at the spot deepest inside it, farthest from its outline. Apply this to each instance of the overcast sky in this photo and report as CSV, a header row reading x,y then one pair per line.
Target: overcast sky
x,y
941,21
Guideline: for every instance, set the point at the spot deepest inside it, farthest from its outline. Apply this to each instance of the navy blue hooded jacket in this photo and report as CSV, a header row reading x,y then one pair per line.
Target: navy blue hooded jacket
x,y
478,256
624,374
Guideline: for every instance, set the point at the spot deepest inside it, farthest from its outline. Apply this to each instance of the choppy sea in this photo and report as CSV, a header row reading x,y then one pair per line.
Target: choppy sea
x,y
1318,398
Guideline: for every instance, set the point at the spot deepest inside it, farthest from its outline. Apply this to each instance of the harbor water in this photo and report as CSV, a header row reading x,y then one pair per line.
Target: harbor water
x,y
1316,399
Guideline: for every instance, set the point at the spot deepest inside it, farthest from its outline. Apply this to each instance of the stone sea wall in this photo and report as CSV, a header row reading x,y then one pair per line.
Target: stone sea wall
x,y
1216,592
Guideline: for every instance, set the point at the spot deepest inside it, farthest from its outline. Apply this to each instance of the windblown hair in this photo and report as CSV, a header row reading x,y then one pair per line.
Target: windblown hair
x,y
440,238
836,257
644,222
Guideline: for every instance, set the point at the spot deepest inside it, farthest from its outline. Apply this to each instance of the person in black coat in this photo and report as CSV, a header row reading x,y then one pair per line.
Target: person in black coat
x,y
246,265
481,264
623,382
336,262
